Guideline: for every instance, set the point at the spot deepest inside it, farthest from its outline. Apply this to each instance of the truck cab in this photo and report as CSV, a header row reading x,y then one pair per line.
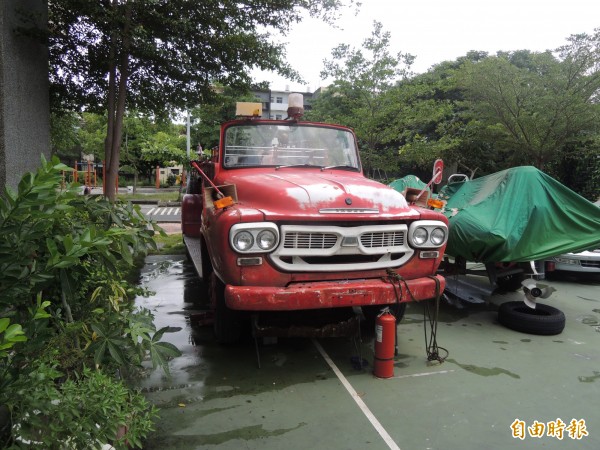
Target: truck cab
x,y
283,219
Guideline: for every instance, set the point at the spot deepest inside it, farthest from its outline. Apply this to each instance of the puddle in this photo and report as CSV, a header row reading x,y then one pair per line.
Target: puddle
x,y
591,378
588,319
484,371
248,433
207,370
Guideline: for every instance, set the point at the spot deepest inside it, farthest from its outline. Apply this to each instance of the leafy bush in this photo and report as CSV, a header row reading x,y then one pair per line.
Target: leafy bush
x,y
171,180
87,411
64,301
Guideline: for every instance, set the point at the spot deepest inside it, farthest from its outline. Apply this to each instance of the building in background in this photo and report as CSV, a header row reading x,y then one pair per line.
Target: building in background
x,y
275,103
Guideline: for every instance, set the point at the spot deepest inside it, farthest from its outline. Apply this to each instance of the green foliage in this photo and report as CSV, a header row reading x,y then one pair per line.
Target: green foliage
x,y
92,133
171,52
124,340
9,336
171,244
154,56
480,113
64,136
88,411
535,103
164,149
356,98
63,302
208,117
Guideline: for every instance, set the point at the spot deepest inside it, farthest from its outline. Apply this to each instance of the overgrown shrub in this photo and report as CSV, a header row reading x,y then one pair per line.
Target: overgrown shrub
x,y
84,412
65,306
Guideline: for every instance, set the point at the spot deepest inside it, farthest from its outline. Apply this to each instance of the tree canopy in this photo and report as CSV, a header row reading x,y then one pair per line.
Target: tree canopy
x,y
481,113
361,78
162,55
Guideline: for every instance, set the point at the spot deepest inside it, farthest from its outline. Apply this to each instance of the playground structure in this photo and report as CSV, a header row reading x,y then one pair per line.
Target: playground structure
x,y
86,174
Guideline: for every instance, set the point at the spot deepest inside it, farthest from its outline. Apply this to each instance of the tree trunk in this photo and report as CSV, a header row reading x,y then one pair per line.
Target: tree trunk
x,y
116,104
109,178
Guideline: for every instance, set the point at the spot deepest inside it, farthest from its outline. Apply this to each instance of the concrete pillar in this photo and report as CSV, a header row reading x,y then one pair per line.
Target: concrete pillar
x,y
24,98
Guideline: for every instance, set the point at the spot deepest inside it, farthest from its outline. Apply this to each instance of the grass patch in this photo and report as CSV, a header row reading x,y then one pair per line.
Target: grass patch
x,y
171,244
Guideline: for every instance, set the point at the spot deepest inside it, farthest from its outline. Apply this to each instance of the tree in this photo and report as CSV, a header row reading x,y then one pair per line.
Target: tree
x,y
425,118
64,136
92,133
209,117
535,103
157,55
150,142
430,121
361,77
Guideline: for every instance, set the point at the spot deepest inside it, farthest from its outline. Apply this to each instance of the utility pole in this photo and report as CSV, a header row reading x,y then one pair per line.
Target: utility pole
x,y
188,143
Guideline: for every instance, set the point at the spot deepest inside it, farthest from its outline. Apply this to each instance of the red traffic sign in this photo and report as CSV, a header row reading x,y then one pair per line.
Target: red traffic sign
x,y
438,169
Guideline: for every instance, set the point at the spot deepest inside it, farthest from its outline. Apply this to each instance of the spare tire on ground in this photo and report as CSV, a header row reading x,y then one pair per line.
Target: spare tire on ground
x,y
543,320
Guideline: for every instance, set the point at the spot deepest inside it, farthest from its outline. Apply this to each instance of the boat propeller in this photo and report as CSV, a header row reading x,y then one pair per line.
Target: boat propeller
x,y
534,290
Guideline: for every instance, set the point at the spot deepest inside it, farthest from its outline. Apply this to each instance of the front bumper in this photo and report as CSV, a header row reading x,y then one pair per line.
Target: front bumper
x,y
332,294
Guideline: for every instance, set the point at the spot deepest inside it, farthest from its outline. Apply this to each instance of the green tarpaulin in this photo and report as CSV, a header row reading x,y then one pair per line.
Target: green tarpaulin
x,y
519,214
411,181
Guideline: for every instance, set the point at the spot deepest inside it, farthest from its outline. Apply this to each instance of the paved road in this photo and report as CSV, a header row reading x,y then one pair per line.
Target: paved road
x,y
309,394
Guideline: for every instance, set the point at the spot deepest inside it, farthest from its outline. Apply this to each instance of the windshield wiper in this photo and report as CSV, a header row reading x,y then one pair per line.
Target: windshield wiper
x,y
296,165
342,167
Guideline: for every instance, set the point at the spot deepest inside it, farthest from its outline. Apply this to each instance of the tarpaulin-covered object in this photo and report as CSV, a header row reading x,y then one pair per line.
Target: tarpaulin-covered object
x,y
409,181
519,214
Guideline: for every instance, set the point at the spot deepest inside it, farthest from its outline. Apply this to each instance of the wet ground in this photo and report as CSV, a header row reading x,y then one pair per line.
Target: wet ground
x,y
497,389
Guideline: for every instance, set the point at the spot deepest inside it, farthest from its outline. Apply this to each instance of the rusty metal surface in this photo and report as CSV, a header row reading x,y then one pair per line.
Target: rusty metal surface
x,y
345,328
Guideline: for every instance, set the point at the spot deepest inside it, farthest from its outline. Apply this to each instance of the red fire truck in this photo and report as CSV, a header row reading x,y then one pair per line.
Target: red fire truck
x,y
281,218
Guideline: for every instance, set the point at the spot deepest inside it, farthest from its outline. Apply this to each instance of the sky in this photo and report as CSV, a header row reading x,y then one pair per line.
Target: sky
x,y
436,31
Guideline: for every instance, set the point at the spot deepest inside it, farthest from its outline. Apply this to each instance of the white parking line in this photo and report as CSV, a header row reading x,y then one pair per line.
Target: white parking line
x,y
424,374
158,212
150,212
364,408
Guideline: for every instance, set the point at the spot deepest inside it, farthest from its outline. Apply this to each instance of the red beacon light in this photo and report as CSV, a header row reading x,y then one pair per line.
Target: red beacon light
x,y
295,106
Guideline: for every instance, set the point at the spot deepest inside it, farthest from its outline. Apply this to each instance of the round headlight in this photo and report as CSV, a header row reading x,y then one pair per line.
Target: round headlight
x,y
437,236
266,239
243,241
420,236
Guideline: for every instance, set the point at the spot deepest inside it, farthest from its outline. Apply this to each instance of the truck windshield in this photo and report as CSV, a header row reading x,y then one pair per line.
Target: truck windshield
x,y
264,144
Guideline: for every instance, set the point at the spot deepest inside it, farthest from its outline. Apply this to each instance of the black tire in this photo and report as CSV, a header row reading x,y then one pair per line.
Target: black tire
x,y
371,312
228,322
543,320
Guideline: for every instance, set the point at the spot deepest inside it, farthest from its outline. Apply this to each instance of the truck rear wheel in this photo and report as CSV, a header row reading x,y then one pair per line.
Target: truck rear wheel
x,y
228,322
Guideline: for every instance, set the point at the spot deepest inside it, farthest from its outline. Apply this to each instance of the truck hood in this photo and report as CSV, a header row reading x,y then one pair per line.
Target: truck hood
x,y
287,192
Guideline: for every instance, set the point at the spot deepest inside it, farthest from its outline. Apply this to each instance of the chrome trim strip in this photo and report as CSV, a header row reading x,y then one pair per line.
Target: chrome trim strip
x,y
349,211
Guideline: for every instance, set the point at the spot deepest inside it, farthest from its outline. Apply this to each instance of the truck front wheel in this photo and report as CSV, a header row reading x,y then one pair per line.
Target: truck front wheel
x,y
228,322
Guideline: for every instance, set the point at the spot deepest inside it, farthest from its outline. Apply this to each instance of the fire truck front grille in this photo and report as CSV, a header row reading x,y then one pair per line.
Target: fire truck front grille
x,y
309,240
382,239
327,248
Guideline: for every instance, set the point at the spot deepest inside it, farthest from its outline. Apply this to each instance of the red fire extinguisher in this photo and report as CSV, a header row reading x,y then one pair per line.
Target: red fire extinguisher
x,y
385,343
